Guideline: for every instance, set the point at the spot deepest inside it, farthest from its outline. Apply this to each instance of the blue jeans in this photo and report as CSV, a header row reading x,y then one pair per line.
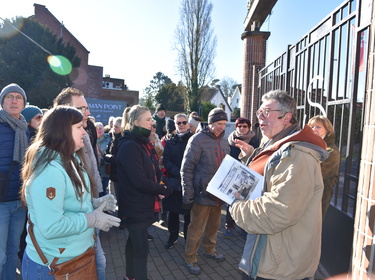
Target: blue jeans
x,y
34,271
12,222
100,258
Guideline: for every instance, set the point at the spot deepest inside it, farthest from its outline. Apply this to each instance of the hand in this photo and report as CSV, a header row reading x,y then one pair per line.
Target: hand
x,y
98,219
168,189
237,195
109,201
246,148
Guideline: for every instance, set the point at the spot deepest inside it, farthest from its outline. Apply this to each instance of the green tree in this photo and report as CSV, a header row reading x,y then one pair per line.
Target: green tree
x,y
24,62
195,43
149,93
172,97
205,108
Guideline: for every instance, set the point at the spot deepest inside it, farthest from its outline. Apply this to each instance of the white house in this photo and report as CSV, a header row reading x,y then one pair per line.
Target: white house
x,y
235,100
216,96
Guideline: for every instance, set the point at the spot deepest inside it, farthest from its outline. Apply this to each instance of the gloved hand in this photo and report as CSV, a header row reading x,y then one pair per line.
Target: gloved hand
x,y
108,200
168,189
100,220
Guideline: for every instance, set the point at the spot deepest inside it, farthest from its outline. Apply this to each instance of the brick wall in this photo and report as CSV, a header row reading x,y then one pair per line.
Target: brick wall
x,y
255,44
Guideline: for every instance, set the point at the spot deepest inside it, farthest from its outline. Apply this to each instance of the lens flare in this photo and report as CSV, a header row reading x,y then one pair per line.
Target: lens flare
x,y
59,64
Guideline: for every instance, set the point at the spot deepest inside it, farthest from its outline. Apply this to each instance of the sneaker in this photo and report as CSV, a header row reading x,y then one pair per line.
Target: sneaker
x,y
215,256
149,237
193,268
169,244
228,234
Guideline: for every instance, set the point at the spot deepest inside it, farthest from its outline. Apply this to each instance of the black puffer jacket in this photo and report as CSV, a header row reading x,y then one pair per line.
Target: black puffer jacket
x,y
138,176
172,158
111,154
203,156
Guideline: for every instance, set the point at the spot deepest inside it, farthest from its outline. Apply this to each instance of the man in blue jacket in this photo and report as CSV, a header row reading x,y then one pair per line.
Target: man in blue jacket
x,y
14,141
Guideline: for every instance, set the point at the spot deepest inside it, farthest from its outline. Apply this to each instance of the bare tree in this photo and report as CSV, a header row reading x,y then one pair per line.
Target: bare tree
x,y
196,46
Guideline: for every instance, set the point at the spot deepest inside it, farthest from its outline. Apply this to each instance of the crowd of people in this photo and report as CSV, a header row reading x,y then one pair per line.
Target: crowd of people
x,y
65,177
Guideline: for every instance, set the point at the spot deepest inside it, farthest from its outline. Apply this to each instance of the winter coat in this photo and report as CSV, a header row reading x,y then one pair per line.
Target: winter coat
x,y
285,222
59,221
160,126
203,156
330,171
102,145
111,154
172,158
138,176
7,139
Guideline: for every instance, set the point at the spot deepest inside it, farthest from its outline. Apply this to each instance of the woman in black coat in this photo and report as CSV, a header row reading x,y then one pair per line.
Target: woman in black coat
x,y
172,158
140,189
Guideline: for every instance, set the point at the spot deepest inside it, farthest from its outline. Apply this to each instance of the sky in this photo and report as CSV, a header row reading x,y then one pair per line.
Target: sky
x,y
133,39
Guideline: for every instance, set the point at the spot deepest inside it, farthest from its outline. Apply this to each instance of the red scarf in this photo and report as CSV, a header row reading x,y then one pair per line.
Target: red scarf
x,y
150,150
305,135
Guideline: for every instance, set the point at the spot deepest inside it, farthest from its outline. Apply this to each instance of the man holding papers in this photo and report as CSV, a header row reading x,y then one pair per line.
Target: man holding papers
x,y
284,224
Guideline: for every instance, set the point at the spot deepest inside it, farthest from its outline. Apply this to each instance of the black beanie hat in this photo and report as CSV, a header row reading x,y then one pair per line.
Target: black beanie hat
x,y
170,126
160,108
217,114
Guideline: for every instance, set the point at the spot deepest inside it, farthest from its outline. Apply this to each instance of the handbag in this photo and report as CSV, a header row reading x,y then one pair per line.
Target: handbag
x,y
79,268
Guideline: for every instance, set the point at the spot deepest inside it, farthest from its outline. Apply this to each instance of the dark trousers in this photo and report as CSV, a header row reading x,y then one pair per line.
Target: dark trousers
x,y
136,252
229,222
174,225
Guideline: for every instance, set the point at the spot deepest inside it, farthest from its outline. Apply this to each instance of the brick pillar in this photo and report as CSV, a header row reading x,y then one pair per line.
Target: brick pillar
x,y
255,44
363,255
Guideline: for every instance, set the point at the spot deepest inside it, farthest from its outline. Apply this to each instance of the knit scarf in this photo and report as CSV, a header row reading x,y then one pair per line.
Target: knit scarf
x,y
21,141
259,161
235,135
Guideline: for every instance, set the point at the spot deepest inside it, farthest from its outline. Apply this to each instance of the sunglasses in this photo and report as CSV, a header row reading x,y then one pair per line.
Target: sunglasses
x,y
38,117
184,123
242,126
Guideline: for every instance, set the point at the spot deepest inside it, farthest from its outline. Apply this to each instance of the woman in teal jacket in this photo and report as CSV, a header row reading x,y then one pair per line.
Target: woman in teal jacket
x,y
57,192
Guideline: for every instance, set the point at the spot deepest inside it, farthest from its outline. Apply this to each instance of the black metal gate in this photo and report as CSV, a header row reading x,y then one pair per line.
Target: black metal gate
x,y
326,73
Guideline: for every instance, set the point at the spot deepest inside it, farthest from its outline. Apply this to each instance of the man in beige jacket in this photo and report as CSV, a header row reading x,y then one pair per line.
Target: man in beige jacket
x,y
284,224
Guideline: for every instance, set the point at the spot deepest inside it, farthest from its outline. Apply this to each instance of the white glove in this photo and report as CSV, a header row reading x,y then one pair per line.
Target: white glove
x,y
108,200
98,219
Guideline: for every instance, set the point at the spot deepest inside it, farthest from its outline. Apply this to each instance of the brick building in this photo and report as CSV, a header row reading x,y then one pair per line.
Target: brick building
x,y
87,78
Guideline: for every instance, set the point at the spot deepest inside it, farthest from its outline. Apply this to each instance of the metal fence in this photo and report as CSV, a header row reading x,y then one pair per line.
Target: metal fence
x,y
325,71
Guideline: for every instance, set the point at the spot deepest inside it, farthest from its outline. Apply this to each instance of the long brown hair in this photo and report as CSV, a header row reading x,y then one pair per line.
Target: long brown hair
x,y
55,138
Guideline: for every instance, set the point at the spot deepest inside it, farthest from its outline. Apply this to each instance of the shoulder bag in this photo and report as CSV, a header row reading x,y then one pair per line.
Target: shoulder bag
x,y
80,268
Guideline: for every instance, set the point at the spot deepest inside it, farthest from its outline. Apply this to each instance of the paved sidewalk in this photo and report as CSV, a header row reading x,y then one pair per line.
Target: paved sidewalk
x,y
166,264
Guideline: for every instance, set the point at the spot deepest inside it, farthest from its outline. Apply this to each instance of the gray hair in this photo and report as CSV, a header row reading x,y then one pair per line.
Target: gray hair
x,y
285,102
180,115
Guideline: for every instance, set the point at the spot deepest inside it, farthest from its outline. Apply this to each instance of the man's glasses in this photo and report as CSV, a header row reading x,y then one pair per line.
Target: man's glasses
x,y
83,109
242,126
184,123
265,113
10,97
